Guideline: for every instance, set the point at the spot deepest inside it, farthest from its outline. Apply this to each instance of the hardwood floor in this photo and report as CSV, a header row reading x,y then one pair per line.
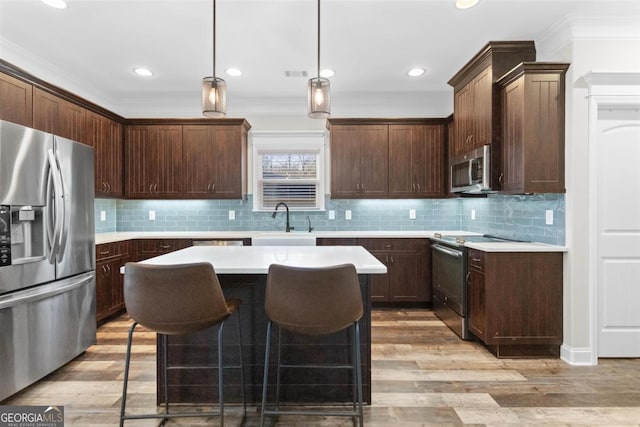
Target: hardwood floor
x,y
422,375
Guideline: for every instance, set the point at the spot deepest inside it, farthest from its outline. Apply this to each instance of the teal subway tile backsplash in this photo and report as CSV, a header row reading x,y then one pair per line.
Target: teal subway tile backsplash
x,y
521,217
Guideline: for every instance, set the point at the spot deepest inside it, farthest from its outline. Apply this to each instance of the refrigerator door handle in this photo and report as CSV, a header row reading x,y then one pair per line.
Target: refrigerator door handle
x,y
46,291
55,181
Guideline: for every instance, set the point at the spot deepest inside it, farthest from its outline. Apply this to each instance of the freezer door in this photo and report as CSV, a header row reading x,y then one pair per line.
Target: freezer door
x,y
43,328
77,254
24,173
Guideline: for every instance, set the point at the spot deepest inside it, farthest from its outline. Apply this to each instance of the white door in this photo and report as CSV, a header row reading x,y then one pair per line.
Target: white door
x,y
618,228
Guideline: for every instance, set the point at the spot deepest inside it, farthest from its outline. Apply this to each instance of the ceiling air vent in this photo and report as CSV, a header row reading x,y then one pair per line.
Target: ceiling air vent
x,y
296,73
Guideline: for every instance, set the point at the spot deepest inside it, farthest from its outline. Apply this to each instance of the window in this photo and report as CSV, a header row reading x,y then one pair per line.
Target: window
x,y
288,167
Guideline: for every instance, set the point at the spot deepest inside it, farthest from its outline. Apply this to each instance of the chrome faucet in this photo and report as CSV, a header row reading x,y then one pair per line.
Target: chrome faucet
x,y
288,228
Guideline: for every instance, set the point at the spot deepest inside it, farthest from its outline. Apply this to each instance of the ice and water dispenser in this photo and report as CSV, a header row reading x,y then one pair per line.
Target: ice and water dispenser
x,y
21,234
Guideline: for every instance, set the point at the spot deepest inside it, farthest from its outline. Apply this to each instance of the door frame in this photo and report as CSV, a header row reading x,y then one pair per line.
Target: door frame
x,y
606,89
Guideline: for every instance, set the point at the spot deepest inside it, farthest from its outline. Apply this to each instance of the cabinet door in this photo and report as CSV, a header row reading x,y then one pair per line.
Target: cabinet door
x,y
198,154
404,167
105,136
482,89
55,115
512,178
379,283
16,100
428,161
228,162
374,161
463,112
476,294
345,161
117,285
154,161
404,275
103,289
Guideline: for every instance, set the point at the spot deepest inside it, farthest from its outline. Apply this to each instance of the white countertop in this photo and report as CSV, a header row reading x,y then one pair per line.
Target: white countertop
x,y
257,259
425,234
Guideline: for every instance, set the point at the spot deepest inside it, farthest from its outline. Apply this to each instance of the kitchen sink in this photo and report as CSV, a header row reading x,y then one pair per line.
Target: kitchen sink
x,y
283,239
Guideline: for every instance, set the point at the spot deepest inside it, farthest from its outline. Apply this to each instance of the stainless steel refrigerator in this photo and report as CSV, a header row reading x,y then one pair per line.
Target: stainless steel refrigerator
x,y
47,254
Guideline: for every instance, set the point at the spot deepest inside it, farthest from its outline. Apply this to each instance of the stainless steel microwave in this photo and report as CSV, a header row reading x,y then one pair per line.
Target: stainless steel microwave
x,y
471,172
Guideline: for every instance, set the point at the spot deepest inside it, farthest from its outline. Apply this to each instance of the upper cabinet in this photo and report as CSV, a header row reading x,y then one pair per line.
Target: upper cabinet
x,y
16,100
416,161
359,160
533,104
105,135
190,161
153,156
214,159
58,116
387,158
476,102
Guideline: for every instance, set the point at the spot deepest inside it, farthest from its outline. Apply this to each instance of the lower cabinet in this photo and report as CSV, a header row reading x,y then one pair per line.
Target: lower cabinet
x,y
408,277
515,301
109,282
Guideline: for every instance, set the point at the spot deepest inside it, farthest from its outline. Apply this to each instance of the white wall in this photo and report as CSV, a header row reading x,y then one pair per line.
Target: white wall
x,y
616,49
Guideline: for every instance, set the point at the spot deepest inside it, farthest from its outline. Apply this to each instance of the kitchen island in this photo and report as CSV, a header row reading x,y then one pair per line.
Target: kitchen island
x,y
242,271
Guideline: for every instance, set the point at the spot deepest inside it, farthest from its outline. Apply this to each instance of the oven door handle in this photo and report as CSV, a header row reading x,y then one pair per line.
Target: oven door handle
x,y
448,251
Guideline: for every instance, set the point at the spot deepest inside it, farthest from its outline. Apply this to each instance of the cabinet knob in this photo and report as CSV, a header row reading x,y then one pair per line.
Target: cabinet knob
x,y
392,260
165,246
208,187
413,187
213,188
500,178
418,187
155,188
358,187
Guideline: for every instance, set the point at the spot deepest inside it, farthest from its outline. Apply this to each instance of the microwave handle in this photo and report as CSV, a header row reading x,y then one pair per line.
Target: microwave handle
x,y
470,170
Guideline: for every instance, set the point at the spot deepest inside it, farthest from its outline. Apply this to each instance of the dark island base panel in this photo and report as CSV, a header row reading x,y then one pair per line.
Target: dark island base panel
x,y
297,385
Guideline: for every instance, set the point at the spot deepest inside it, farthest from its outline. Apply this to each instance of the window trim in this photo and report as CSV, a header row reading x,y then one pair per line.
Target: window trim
x,y
294,141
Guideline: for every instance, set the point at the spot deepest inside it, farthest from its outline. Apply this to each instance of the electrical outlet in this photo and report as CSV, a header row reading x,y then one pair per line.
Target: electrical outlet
x,y
152,215
332,214
347,214
103,215
412,214
232,215
548,217
473,214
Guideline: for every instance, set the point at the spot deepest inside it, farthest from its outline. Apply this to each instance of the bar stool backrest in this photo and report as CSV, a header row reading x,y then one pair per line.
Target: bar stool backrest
x,y
174,299
313,301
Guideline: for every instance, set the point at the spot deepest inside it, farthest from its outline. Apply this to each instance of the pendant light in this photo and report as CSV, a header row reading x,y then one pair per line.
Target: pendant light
x,y
318,91
214,89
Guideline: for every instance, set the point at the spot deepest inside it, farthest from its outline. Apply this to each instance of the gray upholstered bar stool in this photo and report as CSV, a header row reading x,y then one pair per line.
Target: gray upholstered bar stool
x,y
178,300
314,301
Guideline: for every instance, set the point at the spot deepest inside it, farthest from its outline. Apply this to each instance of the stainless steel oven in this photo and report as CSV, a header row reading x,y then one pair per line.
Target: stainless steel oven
x,y
449,286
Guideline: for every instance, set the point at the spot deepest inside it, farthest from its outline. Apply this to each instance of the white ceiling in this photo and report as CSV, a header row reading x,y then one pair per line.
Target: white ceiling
x,y
91,47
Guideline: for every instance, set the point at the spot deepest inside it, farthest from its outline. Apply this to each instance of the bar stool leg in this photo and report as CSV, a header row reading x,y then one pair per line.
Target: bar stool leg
x,y
127,362
277,406
359,370
165,375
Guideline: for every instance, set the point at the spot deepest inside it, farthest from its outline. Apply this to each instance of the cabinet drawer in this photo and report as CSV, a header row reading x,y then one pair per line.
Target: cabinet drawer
x,y
392,244
475,260
337,241
161,246
113,249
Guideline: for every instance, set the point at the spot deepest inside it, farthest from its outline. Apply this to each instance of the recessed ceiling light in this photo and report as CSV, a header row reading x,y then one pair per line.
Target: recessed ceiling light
x,y
466,4
144,72
326,73
234,72
58,4
416,72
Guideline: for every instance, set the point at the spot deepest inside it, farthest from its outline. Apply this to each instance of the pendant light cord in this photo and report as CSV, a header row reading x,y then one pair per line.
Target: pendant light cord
x,y
318,39
214,39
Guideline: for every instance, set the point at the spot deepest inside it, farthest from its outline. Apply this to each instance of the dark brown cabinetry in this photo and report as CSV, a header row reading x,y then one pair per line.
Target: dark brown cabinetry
x,y
109,281
16,100
214,160
533,106
408,278
149,248
105,136
515,301
416,161
58,116
153,156
359,161
476,102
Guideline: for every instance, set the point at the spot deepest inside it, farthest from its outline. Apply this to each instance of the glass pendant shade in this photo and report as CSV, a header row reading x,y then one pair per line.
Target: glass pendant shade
x,y
214,97
319,98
